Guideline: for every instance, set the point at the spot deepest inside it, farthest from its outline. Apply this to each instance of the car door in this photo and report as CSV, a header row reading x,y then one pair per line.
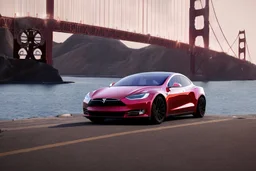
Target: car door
x,y
175,96
188,95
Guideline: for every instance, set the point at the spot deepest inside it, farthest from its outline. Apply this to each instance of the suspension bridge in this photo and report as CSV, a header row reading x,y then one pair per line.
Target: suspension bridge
x,y
182,24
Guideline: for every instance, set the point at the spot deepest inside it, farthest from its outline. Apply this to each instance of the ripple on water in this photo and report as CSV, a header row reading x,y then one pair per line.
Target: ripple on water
x,y
26,101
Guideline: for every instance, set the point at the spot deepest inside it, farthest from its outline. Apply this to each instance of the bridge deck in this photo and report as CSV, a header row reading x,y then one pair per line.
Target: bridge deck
x,y
77,28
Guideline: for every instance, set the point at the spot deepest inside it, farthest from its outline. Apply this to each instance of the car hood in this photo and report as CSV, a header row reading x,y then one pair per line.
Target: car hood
x,y
119,92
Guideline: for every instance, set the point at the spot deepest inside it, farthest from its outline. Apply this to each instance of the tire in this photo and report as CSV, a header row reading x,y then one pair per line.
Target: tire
x,y
97,120
200,109
158,110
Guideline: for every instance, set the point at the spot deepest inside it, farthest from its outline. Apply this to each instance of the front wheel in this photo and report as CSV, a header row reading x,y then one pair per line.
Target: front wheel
x,y
200,109
158,111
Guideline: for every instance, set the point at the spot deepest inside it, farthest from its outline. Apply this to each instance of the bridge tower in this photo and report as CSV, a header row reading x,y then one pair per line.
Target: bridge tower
x,y
194,33
242,44
33,39
49,31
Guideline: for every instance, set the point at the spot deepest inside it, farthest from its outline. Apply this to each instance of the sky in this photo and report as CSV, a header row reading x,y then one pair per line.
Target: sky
x,y
233,16
166,18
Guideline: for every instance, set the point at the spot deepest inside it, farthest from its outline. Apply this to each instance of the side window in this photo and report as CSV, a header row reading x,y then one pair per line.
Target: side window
x,y
173,80
184,81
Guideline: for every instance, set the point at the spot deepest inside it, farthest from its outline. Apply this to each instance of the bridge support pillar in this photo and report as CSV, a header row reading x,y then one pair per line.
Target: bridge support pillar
x,y
242,45
48,41
194,33
49,31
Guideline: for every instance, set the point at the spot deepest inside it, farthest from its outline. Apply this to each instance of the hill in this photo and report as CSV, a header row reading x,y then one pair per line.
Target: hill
x,y
95,56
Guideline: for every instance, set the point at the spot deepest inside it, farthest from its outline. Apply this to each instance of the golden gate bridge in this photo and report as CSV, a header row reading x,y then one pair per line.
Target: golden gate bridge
x,y
183,24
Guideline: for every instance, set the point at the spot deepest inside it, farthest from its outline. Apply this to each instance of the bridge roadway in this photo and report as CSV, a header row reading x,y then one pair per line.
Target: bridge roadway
x,y
182,143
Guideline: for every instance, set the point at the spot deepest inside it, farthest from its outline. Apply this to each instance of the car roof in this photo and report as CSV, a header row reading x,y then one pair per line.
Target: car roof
x,y
155,73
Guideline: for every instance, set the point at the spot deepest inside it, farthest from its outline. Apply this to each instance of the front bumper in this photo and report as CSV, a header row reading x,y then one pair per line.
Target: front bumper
x,y
131,109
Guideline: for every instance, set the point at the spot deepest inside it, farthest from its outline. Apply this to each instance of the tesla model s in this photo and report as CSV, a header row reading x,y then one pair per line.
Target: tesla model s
x,y
152,95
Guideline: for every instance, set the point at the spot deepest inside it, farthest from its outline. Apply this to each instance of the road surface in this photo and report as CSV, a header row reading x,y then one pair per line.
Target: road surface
x,y
181,143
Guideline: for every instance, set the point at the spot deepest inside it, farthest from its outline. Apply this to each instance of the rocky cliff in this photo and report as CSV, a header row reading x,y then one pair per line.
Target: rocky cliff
x,y
27,71
22,71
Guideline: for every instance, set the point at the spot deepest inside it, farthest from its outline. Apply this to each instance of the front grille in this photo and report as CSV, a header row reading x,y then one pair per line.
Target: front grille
x,y
105,102
106,114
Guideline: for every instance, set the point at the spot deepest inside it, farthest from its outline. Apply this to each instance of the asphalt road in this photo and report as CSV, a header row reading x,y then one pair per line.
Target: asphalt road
x,y
183,143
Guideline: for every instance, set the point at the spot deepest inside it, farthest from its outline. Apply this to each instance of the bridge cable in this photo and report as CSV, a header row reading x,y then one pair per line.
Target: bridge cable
x,y
249,54
216,37
234,42
221,27
214,33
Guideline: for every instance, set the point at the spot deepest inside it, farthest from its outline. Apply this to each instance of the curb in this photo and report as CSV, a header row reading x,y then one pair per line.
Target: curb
x,y
64,115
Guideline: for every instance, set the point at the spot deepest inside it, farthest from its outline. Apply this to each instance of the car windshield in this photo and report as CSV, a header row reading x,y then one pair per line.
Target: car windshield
x,y
143,80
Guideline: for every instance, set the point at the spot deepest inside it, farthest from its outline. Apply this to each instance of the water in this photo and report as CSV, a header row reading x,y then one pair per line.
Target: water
x,y
26,101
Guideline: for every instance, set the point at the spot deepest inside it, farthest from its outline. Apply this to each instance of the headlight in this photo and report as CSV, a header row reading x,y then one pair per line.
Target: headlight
x,y
138,96
87,98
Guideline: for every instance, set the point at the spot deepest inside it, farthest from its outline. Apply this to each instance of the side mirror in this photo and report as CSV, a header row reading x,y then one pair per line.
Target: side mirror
x,y
110,85
168,89
175,85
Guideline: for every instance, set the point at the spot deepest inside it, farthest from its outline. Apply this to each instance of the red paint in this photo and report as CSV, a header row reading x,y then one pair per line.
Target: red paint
x,y
167,89
49,31
179,100
194,33
242,44
49,38
50,9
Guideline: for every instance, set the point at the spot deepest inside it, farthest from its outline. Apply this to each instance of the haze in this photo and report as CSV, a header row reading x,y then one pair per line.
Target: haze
x,y
233,16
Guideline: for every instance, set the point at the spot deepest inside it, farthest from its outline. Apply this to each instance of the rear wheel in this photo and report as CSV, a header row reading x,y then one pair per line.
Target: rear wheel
x,y
158,111
200,109
97,120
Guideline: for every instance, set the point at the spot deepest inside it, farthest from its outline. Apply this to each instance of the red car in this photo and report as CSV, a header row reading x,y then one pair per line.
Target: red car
x,y
152,95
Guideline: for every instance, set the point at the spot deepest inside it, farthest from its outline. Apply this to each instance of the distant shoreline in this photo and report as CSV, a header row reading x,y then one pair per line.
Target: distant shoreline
x,y
114,76
92,76
17,82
